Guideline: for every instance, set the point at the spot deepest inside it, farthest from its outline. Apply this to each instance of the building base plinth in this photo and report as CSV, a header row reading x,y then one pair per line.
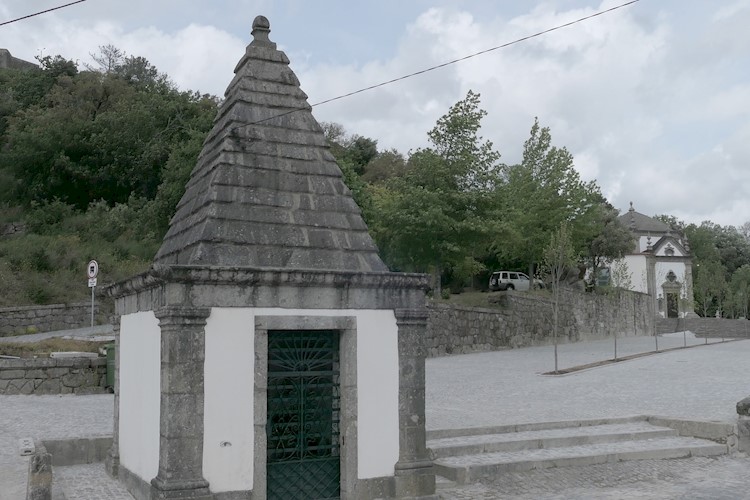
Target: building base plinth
x,y
415,480
178,490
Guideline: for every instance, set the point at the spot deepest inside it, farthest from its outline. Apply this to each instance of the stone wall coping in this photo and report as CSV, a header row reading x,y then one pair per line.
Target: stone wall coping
x,y
43,307
440,305
32,363
160,275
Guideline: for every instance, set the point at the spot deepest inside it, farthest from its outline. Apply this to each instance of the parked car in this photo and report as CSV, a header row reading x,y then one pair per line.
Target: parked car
x,y
512,280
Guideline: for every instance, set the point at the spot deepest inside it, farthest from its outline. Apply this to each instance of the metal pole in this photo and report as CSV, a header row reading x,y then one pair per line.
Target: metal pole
x,y
92,306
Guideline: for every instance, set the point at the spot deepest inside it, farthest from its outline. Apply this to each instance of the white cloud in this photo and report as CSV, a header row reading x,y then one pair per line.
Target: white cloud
x,y
652,99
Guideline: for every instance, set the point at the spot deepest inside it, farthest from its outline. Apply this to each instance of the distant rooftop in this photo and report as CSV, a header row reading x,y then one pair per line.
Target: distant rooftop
x,y
638,222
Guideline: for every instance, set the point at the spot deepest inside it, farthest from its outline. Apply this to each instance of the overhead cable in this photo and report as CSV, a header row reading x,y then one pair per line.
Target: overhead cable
x,y
41,12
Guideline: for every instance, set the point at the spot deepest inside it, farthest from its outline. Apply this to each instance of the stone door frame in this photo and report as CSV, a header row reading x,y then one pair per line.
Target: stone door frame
x,y
347,328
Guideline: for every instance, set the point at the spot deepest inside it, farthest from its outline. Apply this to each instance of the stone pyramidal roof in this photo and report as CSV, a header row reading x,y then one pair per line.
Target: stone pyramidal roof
x,y
266,192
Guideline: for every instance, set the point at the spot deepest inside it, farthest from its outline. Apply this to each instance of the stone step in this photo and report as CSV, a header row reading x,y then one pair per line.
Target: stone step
x,y
468,468
546,438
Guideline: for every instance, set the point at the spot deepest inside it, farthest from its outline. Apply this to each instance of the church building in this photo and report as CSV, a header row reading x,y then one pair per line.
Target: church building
x,y
660,264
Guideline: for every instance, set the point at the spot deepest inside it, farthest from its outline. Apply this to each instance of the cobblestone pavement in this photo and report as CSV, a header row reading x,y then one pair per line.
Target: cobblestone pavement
x,y
88,482
57,416
722,478
13,469
506,387
40,417
490,389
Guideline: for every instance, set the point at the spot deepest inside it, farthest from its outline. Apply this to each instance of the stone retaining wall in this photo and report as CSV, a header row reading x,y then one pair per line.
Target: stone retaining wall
x,y
706,327
32,319
53,376
526,319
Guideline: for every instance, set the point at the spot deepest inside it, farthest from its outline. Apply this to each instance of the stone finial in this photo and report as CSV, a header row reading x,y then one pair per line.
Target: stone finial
x,y
261,29
743,407
631,209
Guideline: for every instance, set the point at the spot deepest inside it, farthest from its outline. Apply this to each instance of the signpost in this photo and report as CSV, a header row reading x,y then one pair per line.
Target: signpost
x,y
92,270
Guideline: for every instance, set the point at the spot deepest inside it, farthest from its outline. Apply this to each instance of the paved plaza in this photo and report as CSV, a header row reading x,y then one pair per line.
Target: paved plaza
x,y
699,383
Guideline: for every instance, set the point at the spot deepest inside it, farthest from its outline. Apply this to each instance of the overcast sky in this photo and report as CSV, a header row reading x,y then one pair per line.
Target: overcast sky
x,y
653,100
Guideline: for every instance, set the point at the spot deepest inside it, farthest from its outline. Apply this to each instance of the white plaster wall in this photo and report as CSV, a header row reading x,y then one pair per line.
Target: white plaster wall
x,y
228,403
663,268
140,393
638,274
377,393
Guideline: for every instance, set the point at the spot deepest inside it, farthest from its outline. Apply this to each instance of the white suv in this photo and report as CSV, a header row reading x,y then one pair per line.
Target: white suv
x,y
511,280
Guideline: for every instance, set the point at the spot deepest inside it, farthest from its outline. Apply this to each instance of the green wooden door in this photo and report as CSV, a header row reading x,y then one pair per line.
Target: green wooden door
x,y
302,427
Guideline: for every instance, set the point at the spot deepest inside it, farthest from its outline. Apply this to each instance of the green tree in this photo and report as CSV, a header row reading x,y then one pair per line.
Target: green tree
x,y
543,191
620,281
708,284
609,240
385,165
739,287
434,216
97,137
558,258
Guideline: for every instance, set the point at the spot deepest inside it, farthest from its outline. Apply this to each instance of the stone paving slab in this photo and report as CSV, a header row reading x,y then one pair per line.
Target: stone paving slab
x,y
720,478
629,429
88,482
682,446
13,469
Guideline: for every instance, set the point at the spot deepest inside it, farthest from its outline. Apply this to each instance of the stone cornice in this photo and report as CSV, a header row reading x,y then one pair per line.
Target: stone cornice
x,y
160,275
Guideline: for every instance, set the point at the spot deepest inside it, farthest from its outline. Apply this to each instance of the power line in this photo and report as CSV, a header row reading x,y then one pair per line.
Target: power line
x,y
41,12
508,44
454,61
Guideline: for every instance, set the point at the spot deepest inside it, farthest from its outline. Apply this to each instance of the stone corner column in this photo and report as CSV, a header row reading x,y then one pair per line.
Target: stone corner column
x,y
743,425
112,460
415,475
181,418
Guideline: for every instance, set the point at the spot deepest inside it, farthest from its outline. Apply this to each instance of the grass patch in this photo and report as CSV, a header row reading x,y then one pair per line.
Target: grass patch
x,y
43,348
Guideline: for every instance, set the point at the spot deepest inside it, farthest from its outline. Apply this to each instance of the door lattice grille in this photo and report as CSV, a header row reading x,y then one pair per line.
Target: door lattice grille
x,y
303,415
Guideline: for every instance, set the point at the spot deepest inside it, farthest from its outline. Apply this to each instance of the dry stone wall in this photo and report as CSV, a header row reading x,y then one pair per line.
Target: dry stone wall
x,y
53,376
32,319
706,327
525,319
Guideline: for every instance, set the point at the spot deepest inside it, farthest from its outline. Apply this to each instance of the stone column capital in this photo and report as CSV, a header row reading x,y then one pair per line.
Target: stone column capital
x,y
416,317
182,315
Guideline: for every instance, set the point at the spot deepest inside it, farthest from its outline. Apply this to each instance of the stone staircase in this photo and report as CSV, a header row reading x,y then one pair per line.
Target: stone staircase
x,y
464,455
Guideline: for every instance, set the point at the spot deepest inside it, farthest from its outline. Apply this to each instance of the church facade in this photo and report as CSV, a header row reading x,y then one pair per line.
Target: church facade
x,y
659,264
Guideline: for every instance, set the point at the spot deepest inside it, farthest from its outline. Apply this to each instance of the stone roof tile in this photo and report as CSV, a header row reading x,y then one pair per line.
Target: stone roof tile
x,y
266,192
638,222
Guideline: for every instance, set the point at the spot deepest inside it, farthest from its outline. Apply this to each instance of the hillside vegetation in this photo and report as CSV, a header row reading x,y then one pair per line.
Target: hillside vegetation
x,y
92,164
94,159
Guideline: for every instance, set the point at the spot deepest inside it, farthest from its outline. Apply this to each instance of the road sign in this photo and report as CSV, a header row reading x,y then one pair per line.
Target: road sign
x,y
93,269
92,282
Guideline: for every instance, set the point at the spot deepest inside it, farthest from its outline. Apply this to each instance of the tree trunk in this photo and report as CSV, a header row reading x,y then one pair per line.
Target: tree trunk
x,y
556,310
